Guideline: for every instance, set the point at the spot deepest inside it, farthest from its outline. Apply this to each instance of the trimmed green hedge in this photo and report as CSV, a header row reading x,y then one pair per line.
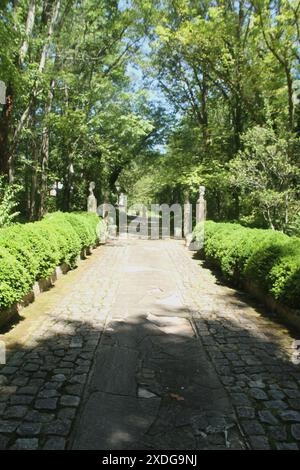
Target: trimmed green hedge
x,y
31,252
15,282
268,258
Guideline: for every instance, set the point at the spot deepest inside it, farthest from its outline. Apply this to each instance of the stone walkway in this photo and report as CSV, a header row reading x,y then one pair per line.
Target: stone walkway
x,y
142,348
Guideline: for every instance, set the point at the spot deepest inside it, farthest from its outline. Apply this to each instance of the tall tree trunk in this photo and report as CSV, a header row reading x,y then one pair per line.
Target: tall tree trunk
x,y
289,82
33,185
237,123
237,209
28,31
32,213
6,115
204,112
6,118
45,152
68,180
238,98
201,113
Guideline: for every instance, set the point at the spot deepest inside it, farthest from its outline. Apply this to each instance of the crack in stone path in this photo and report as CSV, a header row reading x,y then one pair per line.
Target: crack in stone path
x,y
142,348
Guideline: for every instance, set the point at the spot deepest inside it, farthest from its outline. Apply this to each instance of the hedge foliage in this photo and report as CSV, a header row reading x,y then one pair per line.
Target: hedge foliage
x,y
30,252
268,258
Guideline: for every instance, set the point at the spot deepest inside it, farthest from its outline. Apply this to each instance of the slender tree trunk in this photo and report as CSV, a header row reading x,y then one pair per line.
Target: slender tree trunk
x,y
269,219
237,209
67,189
237,124
204,112
33,173
201,112
6,117
45,152
28,31
286,212
218,204
289,81
33,186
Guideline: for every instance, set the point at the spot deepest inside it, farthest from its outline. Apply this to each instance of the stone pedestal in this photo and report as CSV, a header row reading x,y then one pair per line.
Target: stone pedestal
x,y
200,219
123,215
195,245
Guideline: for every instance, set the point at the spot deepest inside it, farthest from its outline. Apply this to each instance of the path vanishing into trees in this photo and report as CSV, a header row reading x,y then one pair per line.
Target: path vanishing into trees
x,y
142,347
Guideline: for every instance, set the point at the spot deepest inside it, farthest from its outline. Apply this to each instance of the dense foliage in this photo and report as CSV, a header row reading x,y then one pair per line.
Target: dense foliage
x,y
70,116
230,74
269,259
30,252
154,96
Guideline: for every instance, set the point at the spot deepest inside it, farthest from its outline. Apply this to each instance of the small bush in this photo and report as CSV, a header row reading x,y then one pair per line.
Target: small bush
x,y
79,225
43,247
16,243
67,238
15,282
275,267
96,225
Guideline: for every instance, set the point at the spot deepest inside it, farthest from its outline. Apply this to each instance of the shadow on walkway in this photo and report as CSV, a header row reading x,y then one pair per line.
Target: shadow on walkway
x,y
158,375
152,385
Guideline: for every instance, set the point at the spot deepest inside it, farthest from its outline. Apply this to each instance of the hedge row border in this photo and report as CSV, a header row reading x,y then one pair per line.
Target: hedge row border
x,y
285,314
43,285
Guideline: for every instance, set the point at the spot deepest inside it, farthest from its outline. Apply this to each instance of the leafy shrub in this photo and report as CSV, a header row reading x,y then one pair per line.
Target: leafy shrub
x,y
266,257
43,248
15,282
276,268
74,223
88,226
97,225
83,229
31,251
67,238
15,242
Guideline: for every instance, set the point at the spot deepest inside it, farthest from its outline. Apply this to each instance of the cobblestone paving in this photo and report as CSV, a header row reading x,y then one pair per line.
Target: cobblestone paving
x,y
44,387
42,383
252,354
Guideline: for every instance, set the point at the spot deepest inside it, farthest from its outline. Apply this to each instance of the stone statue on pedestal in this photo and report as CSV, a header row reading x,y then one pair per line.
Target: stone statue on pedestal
x,y
122,200
92,201
201,206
